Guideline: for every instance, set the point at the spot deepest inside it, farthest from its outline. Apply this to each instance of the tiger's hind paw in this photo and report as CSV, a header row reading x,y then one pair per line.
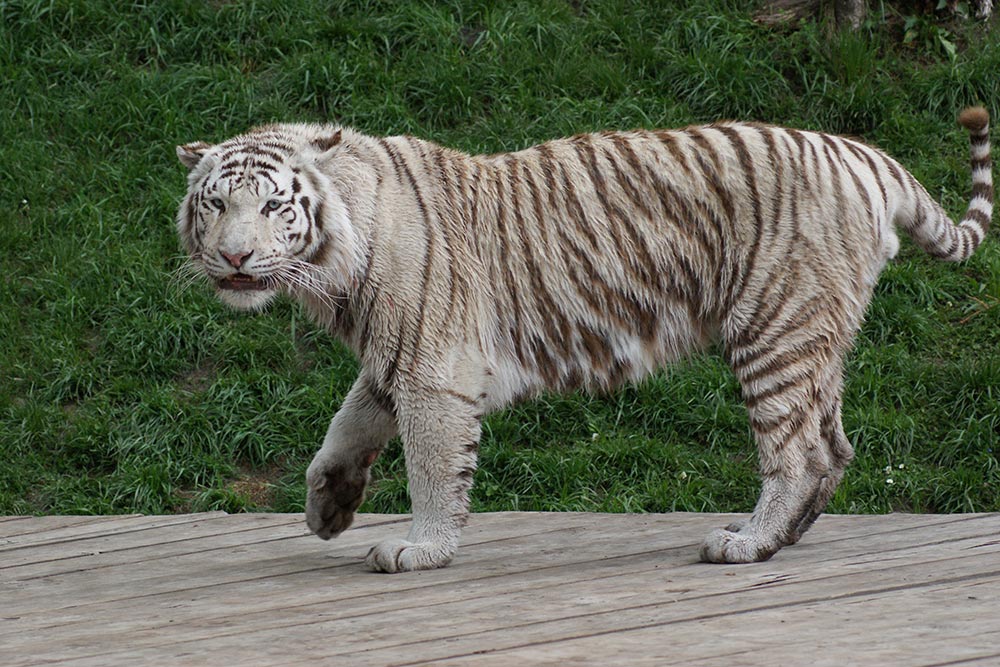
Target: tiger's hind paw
x,y
737,525
724,545
405,556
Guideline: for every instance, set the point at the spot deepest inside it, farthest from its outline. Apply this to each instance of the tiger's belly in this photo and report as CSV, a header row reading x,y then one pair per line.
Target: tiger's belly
x,y
594,356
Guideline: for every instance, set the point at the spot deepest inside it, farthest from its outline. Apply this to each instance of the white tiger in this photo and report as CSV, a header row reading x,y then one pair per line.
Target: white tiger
x,y
464,283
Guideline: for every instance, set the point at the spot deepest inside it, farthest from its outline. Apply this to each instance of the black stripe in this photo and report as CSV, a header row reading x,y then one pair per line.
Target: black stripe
x,y
978,216
977,141
468,400
443,202
796,381
767,308
982,163
780,362
750,180
584,285
862,153
306,204
982,189
625,184
382,399
474,182
506,267
399,161
762,426
841,199
669,141
643,270
774,159
558,328
578,215
798,320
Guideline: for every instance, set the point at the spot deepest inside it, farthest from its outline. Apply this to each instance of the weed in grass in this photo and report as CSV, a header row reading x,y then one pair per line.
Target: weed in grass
x,y
126,388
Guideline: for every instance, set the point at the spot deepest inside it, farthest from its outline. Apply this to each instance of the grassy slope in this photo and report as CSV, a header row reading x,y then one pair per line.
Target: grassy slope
x,y
122,392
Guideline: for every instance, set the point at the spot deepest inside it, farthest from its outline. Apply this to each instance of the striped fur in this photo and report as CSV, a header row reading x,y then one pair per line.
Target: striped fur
x,y
464,283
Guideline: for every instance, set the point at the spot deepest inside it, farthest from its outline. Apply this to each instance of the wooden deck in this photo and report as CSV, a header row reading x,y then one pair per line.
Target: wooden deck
x,y
526,589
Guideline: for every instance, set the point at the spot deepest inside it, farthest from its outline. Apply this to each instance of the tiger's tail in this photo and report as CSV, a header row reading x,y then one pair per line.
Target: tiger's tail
x,y
933,230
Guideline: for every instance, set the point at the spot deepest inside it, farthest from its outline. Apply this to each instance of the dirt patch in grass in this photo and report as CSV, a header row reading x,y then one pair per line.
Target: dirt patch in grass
x,y
197,379
257,485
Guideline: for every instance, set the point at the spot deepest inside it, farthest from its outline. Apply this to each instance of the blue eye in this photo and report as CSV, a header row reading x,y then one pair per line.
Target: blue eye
x,y
272,205
217,203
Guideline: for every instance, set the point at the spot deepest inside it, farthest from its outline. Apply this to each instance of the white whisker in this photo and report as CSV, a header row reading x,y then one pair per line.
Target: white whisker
x,y
186,274
308,278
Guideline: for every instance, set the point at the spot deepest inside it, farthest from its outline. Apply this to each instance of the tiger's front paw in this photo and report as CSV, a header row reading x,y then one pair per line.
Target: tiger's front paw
x,y
724,545
334,493
405,556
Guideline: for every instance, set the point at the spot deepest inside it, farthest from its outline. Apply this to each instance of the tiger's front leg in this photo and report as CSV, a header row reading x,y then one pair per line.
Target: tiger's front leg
x,y
339,473
440,432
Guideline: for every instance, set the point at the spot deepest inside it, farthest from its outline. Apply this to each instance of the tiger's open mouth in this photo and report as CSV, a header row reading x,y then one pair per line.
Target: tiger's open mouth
x,y
241,281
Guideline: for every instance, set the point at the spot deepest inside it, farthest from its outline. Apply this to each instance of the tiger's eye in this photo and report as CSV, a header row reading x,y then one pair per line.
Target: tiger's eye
x,y
272,205
217,203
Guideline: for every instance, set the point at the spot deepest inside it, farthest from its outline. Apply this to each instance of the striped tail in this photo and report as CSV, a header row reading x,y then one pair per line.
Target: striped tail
x,y
980,211
936,233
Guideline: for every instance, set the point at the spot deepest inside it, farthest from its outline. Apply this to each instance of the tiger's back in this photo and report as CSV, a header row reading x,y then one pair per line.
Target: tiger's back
x,y
587,262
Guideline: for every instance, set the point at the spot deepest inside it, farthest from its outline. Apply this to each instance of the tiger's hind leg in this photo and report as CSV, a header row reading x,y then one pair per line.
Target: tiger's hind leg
x,y
833,438
793,400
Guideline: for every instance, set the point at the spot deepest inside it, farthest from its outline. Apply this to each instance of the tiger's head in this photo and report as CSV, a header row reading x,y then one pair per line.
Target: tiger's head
x,y
264,213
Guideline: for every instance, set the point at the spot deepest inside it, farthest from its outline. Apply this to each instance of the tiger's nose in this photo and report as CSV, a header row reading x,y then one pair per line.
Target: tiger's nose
x,y
236,259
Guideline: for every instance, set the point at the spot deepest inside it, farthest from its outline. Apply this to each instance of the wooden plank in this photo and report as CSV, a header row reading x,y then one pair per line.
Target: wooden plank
x,y
557,563
38,525
835,527
63,533
110,549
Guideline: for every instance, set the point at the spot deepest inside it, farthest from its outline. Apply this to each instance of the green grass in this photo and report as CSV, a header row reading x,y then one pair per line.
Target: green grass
x,y
121,392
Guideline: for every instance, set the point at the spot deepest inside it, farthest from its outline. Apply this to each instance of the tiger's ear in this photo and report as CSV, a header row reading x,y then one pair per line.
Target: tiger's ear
x,y
190,154
326,145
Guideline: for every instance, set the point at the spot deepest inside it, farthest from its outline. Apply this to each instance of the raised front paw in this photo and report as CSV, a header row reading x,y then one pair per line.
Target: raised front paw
x,y
405,556
334,493
724,545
